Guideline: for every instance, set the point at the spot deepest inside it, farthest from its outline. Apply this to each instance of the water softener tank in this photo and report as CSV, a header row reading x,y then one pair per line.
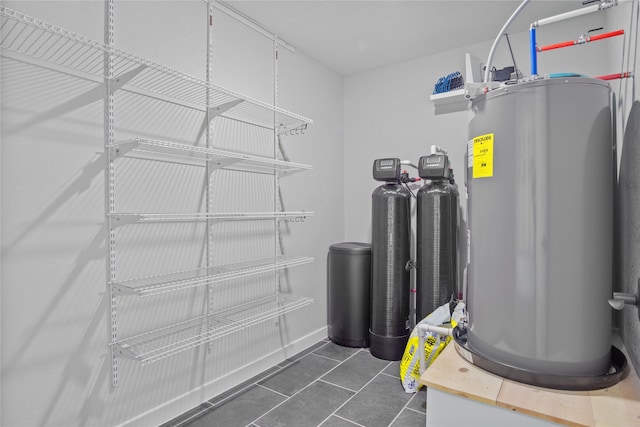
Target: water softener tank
x,y
540,178
390,281
437,236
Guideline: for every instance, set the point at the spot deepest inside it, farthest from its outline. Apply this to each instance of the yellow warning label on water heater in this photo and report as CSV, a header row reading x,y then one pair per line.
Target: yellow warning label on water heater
x,y
483,156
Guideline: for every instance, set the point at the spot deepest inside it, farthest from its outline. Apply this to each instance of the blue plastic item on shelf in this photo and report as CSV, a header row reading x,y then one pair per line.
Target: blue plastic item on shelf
x,y
448,83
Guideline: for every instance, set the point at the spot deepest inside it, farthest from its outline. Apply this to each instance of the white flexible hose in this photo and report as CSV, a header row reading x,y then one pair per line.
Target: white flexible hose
x,y
408,163
499,36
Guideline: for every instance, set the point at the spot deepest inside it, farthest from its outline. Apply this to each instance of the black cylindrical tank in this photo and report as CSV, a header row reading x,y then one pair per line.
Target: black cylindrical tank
x,y
349,293
437,246
390,280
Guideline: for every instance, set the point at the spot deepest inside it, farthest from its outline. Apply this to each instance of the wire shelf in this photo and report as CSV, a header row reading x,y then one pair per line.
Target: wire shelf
x,y
44,43
164,283
221,159
165,342
119,219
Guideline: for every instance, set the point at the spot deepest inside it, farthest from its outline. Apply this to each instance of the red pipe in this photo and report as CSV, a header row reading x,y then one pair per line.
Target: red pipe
x,y
581,41
556,46
616,76
605,35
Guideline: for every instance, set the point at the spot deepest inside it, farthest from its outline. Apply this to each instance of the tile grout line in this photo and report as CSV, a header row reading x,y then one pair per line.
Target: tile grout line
x,y
362,388
389,375
405,407
328,358
416,411
272,390
347,420
305,355
235,393
336,385
303,388
280,404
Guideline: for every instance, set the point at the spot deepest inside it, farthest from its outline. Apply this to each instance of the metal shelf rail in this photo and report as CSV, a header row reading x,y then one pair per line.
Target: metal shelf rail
x,y
164,283
24,37
156,345
120,219
218,158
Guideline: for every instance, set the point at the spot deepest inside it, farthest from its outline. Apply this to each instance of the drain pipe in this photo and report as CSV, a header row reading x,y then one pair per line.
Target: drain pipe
x,y
423,330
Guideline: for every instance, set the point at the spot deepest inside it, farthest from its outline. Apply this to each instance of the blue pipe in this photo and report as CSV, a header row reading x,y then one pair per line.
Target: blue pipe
x,y
533,51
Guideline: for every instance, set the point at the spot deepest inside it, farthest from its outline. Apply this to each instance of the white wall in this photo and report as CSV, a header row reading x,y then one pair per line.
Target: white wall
x,y
55,365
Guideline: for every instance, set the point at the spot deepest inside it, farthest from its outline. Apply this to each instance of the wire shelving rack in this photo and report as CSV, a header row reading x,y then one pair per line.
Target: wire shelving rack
x,y
36,42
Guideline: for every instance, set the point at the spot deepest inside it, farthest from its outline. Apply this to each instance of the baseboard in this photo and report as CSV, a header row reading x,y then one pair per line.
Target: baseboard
x,y
187,401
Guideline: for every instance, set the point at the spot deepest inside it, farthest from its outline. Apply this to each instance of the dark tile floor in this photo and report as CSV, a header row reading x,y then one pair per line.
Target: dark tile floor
x,y
327,385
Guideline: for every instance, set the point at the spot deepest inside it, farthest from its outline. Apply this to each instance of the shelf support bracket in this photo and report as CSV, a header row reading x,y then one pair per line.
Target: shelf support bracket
x,y
121,80
123,351
222,108
222,163
124,147
120,220
121,290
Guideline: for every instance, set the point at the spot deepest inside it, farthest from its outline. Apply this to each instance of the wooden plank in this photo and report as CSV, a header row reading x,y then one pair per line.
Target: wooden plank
x,y
452,374
572,408
618,405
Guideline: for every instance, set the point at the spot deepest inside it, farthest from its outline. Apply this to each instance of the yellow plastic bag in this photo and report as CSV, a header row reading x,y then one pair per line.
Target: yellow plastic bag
x,y
410,363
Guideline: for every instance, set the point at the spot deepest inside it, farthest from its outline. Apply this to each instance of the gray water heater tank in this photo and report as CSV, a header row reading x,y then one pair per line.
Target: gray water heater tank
x,y
540,176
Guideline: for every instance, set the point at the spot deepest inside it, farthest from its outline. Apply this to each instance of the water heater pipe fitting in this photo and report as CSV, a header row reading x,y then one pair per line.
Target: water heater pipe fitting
x,y
436,149
620,299
423,330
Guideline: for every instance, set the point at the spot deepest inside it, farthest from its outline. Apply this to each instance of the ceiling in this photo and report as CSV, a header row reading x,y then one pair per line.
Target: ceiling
x,y
352,36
